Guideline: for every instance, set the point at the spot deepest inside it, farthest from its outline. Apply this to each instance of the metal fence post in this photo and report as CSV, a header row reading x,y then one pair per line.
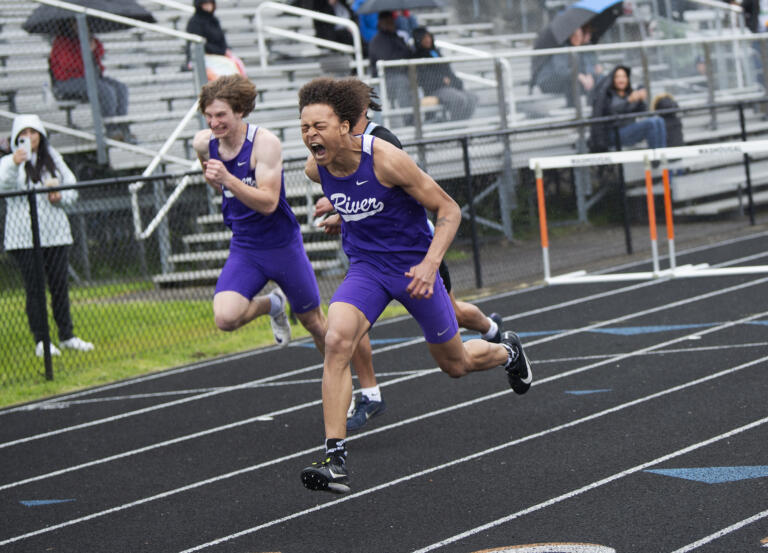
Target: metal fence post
x,y
710,85
507,183
472,221
623,194
747,171
92,87
40,274
413,84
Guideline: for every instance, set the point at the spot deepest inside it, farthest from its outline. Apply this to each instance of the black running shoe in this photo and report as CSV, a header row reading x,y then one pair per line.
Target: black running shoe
x,y
328,475
496,318
519,371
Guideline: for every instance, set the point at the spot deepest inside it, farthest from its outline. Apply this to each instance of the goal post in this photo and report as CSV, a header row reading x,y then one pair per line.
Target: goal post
x,y
647,157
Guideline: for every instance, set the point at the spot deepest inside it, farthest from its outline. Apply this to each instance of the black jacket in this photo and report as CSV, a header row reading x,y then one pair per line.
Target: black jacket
x,y
433,77
605,102
387,45
207,26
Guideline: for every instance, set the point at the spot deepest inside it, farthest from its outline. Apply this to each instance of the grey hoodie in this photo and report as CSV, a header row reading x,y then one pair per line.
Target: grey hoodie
x,y
54,225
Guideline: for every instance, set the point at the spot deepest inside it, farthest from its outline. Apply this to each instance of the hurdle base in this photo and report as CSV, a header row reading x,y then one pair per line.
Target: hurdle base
x,y
683,271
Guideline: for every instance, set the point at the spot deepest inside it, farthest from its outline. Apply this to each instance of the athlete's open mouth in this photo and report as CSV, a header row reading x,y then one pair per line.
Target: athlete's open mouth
x,y
317,149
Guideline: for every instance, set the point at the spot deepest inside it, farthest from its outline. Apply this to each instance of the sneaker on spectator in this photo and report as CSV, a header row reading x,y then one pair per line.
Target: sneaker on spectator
x,y
76,344
40,349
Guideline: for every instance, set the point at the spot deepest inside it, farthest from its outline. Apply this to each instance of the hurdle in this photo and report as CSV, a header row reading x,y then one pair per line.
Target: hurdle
x,y
647,157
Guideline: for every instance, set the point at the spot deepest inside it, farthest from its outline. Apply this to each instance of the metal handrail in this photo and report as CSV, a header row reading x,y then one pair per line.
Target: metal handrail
x,y
356,48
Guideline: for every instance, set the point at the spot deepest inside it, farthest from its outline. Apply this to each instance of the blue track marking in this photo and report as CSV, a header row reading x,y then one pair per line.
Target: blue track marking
x,y
715,475
39,502
587,392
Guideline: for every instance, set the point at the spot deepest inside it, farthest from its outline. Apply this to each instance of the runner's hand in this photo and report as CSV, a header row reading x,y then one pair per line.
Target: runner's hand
x,y
323,206
331,224
422,284
214,173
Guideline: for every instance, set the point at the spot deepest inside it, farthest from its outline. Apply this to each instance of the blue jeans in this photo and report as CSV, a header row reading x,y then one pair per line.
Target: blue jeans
x,y
651,129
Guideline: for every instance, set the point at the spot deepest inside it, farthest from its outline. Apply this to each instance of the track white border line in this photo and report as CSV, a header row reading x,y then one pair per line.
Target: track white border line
x,y
721,533
219,360
271,462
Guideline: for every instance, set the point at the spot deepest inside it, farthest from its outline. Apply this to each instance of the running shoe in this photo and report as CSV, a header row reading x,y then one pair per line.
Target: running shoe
x,y
496,318
519,371
281,328
328,475
365,408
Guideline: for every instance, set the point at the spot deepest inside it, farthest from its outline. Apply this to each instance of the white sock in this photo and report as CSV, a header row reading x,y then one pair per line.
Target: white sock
x,y
491,331
275,304
374,393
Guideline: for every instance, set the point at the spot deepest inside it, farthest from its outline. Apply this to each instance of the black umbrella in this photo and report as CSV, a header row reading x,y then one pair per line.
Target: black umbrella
x,y
599,14
51,20
375,6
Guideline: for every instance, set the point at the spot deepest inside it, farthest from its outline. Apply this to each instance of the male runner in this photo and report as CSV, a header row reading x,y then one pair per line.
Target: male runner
x,y
381,195
369,403
244,163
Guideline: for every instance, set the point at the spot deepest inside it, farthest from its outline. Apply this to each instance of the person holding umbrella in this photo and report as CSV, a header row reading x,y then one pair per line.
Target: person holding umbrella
x,y
68,79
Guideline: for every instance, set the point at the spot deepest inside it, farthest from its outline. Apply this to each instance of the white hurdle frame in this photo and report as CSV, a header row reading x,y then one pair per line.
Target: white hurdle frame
x,y
647,156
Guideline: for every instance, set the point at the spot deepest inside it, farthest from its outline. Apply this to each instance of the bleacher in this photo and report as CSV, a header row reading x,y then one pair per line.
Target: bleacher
x,y
162,90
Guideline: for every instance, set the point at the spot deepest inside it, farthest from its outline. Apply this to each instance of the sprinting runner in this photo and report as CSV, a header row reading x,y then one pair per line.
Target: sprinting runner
x,y
369,403
244,163
381,196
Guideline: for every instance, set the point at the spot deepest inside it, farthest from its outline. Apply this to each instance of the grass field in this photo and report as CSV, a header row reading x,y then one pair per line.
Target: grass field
x,y
134,334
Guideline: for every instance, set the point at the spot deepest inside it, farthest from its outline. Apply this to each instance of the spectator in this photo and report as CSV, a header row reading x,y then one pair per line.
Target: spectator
x,y
615,96
329,31
35,164
368,22
554,75
389,45
207,25
68,80
439,80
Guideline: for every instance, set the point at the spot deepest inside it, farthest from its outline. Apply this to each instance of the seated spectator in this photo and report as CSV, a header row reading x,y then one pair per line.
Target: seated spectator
x,y
439,80
554,75
203,23
389,45
329,31
614,96
68,80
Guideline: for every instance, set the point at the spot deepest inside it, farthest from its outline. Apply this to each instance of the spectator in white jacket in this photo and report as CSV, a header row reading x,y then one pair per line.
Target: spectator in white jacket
x,y
33,163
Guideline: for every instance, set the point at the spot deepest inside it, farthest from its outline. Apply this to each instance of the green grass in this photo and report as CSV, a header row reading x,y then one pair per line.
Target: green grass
x,y
132,338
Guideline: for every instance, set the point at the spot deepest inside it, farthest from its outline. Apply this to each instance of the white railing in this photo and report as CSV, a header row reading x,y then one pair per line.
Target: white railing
x,y
261,30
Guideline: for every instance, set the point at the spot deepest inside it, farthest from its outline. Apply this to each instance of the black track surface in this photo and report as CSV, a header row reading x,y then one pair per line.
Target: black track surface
x,y
630,377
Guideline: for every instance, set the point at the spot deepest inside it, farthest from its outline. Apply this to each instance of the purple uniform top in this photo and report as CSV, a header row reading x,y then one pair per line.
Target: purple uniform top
x,y
383,226
249,227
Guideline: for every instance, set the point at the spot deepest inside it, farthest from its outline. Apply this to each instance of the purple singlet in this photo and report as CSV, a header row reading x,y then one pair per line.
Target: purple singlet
x,y
383,226
250,228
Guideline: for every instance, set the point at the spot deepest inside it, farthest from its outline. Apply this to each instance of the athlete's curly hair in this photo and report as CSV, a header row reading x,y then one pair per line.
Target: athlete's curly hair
x,y
364,92
236,90
346,96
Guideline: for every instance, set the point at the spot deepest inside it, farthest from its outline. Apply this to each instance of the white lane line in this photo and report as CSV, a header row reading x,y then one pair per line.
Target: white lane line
x,y
220,360
500,447
200,434
271,462
382,375
244,385
721,533
386,427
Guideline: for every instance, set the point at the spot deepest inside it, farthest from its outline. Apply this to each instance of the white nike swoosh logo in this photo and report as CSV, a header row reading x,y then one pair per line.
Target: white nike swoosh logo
x,y
307,306
360,183
334,475
241,163
444,331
